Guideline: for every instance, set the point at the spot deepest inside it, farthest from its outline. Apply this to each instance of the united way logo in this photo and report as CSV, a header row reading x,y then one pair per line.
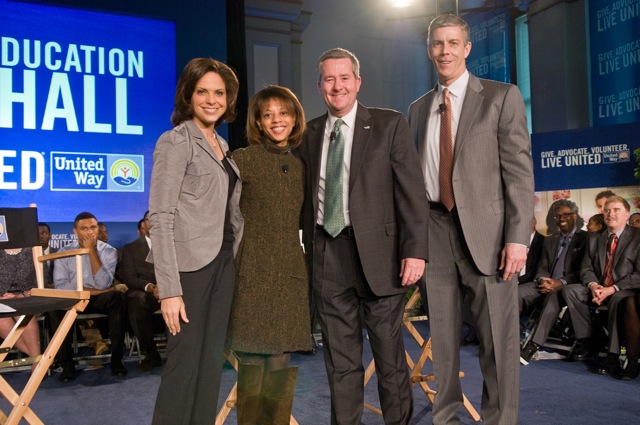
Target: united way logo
x,y
97,172
124,172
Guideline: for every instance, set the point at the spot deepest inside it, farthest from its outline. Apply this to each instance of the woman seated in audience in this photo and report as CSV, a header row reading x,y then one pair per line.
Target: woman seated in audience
x,y
632,336
17,277
596,224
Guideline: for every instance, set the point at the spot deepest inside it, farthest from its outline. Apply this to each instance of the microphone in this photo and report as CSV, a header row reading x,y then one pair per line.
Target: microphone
x,y
442,108
332,136
285,168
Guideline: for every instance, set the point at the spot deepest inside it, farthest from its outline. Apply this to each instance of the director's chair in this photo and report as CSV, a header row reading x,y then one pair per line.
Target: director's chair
x,y
416,367
19,229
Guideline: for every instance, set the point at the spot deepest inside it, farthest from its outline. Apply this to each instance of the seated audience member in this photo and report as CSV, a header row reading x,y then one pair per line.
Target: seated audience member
x,y
634,220
142,297
17,277
98,269
552,226
632,336
533,255
559,266
596,224
45,237
601,198
141,231
610,272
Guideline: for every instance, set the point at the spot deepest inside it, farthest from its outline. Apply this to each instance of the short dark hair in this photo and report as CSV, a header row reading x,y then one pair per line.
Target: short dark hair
x,y
289,100
191,74
45,225
449,20
83,216
565,203
605,194
140,223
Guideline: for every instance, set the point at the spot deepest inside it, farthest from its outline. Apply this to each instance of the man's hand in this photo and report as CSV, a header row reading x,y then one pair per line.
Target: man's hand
x,y
514,257
172,311
89,241
547,285
411,270
600,293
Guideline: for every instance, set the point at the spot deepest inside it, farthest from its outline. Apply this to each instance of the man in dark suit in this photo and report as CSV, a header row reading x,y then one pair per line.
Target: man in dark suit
x,y
560,266
610,272
142,296
365,225
533,255
474,146
45,237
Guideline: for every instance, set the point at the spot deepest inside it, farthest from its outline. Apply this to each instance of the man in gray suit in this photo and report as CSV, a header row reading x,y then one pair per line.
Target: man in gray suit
x,y
479,182
366,229
607,279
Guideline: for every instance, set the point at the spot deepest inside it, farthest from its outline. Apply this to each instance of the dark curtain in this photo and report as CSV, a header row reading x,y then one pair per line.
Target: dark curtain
x,y
237,59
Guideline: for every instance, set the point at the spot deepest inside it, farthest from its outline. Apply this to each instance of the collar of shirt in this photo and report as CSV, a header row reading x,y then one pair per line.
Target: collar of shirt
x,y
148,240
457,91
618,233
349,120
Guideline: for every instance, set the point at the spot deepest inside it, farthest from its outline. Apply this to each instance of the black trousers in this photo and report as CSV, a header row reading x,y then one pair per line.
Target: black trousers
x,y
114,305
343,299
141,306
190,385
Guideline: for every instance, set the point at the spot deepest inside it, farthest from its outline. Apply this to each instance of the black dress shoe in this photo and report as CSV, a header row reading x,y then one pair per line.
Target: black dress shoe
x,y
581,350
609,365
68,374
630,373
149,361
117,368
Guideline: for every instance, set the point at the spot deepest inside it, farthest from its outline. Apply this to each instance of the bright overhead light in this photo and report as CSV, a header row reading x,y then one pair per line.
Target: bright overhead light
x,y
400,3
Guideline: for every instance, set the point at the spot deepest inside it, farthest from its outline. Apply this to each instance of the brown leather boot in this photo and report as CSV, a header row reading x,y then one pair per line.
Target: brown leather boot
x,y
249,387
277,396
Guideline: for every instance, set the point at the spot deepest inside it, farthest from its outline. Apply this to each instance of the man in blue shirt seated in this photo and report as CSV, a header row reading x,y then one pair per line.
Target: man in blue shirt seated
x,y
98,269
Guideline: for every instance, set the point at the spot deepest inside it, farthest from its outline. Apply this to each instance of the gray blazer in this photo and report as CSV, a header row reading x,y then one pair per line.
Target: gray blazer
x,y
187,205
492,170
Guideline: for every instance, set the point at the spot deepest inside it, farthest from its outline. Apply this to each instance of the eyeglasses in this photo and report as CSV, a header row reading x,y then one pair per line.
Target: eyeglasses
x,y
561,216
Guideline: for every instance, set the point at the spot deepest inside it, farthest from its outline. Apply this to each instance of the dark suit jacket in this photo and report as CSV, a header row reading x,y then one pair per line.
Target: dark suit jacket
x,y
572,261
533,258
626,262
387,202
47,270
135,271
492,169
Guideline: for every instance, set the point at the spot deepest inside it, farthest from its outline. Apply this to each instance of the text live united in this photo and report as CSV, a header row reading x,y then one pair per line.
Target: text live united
x,y
585,156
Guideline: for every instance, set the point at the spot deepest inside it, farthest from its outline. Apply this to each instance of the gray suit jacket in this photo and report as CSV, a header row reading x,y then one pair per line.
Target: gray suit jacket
x,y
626,262
187,205
492,171
387,205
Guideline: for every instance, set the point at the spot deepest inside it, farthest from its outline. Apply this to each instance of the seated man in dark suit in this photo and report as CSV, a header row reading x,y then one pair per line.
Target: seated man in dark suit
x,y
559,266
45,237
99,267
528,274
142,297
610,273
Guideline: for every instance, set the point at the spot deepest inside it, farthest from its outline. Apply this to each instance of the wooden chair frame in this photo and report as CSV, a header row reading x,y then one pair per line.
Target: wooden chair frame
x,y
40,301
416,367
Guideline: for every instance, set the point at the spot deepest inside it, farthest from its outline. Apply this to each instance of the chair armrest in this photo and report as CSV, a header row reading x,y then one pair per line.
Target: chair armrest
x,y
78,253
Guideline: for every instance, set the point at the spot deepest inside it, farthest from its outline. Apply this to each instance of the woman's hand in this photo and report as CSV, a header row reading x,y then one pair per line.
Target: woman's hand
x,y
172,311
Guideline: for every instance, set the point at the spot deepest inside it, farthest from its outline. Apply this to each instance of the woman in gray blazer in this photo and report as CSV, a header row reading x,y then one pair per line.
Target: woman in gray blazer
x,y
196,226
